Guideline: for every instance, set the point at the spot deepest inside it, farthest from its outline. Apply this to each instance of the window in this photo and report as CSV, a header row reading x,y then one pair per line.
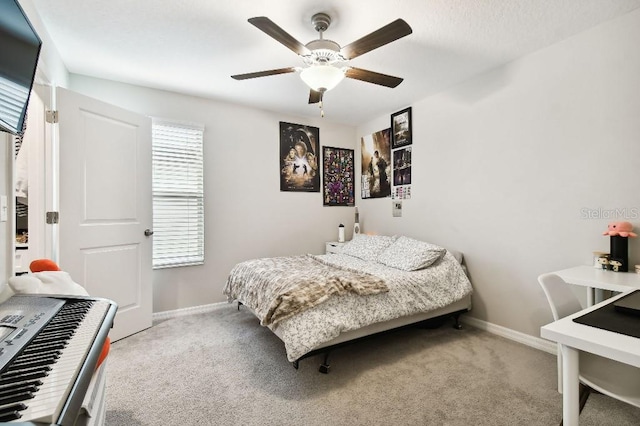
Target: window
x,y
178,200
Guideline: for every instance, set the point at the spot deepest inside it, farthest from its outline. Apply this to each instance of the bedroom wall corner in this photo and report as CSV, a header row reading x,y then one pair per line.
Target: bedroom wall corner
x,y
521,168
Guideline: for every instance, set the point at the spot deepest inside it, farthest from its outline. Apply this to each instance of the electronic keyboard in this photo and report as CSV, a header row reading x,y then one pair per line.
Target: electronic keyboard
x,y
49,349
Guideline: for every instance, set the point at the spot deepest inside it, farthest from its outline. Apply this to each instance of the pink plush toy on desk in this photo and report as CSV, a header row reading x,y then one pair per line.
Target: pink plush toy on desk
x,y
624,229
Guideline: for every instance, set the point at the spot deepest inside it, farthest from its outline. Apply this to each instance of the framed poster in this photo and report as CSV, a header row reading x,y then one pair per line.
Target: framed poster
x,y
401,128
402,166
376,164
299,145
338,174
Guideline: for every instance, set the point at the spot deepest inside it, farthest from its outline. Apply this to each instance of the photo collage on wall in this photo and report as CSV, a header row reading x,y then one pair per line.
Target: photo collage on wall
x,y
386,160
401,140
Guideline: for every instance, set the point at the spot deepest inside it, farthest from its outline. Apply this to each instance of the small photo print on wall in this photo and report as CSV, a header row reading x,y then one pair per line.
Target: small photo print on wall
x,y
299,146
402,166
376,164
401,127
338,176
401,192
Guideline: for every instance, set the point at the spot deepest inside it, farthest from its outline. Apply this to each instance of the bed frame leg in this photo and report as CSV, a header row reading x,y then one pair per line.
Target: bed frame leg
x,y
296,364
456,322
324,367
239,304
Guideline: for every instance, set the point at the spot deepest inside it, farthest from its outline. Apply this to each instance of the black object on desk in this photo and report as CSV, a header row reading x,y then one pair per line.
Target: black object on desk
x,y
629,304
619,316
619,250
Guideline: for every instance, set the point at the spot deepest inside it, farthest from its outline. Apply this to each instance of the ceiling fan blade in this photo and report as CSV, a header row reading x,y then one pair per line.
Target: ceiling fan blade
x,y
263,73
373,77
390,32
267,26
314,96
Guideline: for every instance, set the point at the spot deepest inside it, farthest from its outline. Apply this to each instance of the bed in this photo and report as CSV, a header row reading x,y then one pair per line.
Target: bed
x,y
377,283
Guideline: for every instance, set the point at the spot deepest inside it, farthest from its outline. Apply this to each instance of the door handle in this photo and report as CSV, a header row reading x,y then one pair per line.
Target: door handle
x,y
148,232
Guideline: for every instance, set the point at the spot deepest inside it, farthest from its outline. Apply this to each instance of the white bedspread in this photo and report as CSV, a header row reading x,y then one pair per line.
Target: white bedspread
x,y
409,293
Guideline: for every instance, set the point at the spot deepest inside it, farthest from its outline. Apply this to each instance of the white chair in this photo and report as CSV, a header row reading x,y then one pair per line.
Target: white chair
x,y
609,377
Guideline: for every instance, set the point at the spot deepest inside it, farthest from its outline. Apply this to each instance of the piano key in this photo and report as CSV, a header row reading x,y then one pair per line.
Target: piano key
x,y
69,323
30,376
17,397
49,339
52,328
45,347
35,382
35,361
17,372
11,411
17,388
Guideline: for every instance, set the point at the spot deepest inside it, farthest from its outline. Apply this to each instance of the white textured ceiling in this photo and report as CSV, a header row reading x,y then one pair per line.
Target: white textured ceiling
x,y
194,46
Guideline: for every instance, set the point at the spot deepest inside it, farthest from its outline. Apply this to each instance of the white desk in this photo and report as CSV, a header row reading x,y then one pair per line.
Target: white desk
x,y
574,337
590,277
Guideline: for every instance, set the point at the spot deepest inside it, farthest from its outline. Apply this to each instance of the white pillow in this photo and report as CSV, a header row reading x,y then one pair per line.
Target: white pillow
x,y
411,255
46,282
25,284
367,247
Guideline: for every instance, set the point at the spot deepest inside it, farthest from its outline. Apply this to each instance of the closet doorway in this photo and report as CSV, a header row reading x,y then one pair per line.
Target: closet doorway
x,y
30,186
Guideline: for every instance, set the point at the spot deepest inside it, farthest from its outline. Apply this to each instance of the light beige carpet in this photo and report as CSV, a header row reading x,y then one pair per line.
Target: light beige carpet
x,y
223,368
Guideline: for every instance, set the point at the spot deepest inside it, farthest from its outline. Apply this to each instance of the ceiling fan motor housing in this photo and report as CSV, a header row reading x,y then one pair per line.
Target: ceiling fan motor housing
x,y
323,52
321,21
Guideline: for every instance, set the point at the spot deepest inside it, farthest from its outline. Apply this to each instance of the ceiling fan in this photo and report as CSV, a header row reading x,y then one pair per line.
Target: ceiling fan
x,y
326,63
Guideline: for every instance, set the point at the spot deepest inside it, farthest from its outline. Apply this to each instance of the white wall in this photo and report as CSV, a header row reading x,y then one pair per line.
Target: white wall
x,y
506,164
246,215
51,68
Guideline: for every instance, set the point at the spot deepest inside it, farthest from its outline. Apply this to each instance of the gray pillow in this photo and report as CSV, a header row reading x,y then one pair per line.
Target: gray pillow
x,y
457,255
411,255
367,247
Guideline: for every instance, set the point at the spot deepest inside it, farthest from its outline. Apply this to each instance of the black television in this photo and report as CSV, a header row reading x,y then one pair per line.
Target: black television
x,y
19,53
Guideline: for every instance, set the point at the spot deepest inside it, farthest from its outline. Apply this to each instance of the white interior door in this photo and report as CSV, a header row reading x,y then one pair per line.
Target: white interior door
x,y
105,205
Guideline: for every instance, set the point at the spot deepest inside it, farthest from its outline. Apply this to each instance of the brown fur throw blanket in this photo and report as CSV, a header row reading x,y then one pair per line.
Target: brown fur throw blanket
x,y
277,288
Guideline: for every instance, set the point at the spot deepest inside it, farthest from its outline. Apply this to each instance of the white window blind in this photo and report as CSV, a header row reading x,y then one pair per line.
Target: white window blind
x,y
178,200
13,102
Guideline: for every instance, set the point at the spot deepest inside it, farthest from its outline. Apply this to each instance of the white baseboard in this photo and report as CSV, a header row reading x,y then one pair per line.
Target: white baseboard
x,y
534,342
186,311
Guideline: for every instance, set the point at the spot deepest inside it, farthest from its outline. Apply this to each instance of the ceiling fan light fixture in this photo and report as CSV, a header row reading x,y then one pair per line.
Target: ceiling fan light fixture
x,y
322,78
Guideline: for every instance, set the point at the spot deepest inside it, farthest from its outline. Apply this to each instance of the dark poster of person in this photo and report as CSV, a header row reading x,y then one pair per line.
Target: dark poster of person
x,y
338,176
299,145
376,164
402,166
401,124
